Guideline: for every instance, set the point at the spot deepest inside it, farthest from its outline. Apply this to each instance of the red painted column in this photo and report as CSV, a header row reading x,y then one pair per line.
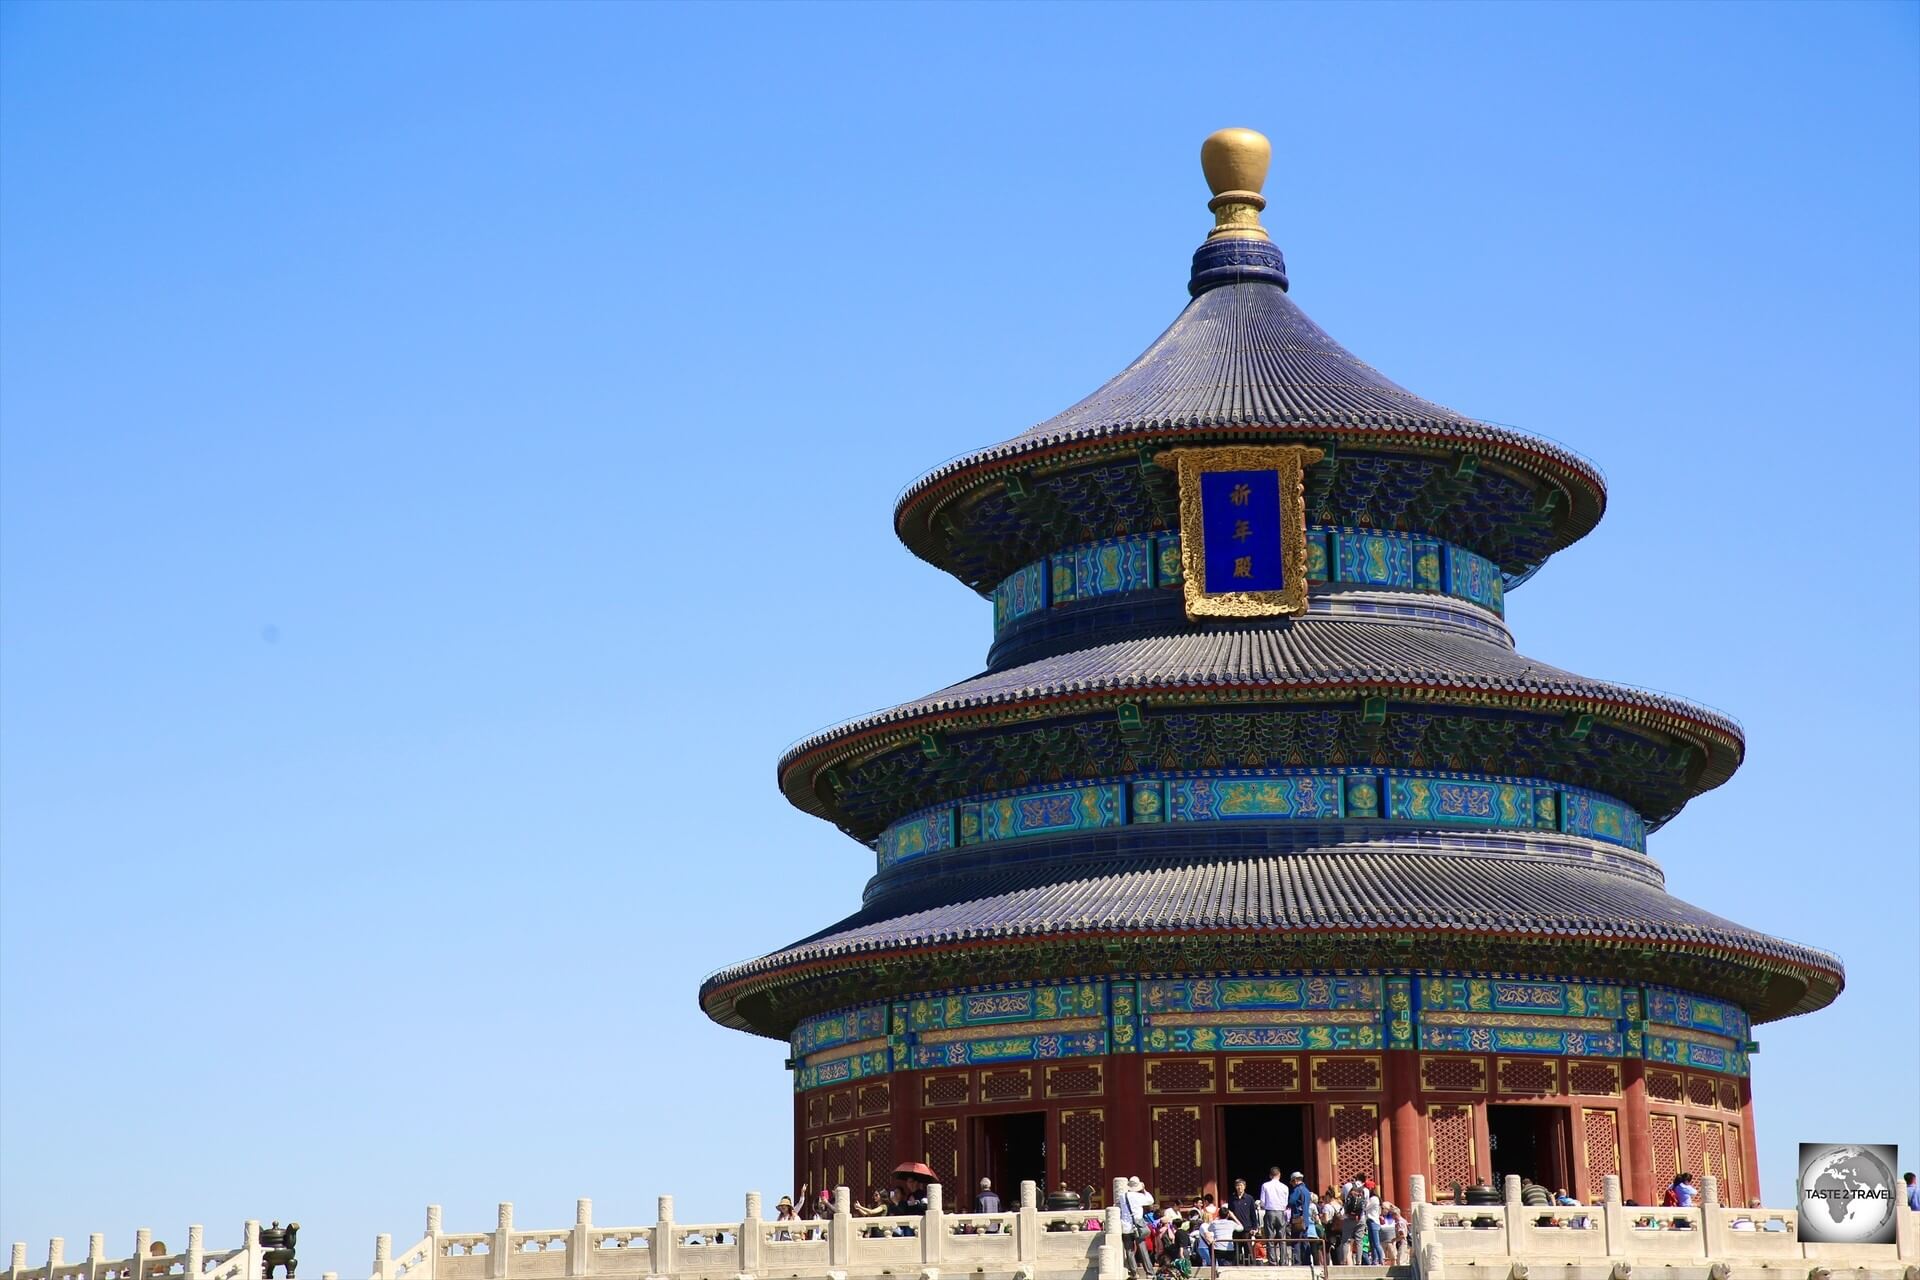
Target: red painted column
x,y
1636,1136
903,1113
1749,1145
799,1137
1406,1154
1129,1146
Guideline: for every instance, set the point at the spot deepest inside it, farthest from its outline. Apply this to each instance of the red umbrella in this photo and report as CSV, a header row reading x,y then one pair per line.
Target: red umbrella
x,y
914,1169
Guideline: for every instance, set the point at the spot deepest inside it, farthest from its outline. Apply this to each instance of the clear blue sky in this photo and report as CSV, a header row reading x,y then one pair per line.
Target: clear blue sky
x,y
382,385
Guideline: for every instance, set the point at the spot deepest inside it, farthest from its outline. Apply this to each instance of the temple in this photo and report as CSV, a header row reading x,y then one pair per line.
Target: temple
x,y
1257,842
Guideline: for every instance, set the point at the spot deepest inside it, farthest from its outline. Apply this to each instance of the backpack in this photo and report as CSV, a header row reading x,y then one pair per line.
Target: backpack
x,y
1354,1203
1671,1199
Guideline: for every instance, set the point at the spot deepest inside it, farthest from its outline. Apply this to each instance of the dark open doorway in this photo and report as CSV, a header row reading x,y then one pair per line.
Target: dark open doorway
x,y
1009,1149
1531,1142
1254,1139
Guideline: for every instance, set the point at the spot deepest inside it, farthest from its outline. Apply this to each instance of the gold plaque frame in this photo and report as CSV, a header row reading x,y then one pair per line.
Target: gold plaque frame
x,y
1291,462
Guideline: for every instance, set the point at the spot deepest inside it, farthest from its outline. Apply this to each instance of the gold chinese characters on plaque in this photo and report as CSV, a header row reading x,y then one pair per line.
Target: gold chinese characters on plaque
x,y
1243,528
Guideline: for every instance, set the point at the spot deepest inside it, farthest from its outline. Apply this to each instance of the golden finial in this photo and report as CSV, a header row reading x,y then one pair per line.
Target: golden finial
x,y
1235,162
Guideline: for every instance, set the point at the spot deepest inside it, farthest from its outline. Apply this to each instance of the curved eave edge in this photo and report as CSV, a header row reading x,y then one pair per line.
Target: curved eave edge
x,y
1821,971
799,770
927,496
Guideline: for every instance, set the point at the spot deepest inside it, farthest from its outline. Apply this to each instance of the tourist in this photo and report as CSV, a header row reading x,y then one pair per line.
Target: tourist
x,y
1390,1233
1353,1220
784,1212
1299,1214
1200,1238
1913,1192
1373,1221
1561,1197
1312,1240
1245,1211
1129,1230
1223,1235
1135,1227
1273,1211
987,1201
1176,1241
909,1201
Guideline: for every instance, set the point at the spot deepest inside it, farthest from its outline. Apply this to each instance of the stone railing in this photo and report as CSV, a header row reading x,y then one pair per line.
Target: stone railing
x,y
197,1262
1027,1242
1512,1240
1507,1241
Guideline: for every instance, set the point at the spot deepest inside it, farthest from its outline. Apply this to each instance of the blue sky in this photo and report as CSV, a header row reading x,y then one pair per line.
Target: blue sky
x,y
448,453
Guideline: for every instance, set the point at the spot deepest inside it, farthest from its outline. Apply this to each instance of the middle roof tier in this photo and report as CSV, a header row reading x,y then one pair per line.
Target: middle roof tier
x,y
1330,689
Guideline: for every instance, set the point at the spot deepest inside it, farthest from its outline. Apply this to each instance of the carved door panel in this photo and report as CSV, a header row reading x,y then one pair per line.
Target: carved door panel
x,y
1178,1167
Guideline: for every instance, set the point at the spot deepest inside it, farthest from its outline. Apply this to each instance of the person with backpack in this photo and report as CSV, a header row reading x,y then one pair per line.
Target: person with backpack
x,y
1353,1220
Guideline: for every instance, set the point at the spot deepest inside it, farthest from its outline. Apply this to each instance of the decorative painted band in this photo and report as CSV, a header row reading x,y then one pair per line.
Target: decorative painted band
x,y
1143,561
1443,1012
1227,795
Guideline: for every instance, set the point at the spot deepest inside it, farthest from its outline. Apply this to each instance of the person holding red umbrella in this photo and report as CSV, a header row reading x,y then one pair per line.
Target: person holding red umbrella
x,y
914,1178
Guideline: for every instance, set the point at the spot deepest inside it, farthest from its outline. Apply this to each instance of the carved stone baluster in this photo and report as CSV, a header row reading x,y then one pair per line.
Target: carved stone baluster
x,y
840,1231
663,1242
933,1228
500,1255
750,1232
580,1243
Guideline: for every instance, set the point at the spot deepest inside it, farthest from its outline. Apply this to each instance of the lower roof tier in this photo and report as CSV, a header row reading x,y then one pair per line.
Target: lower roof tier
x,y
1113,708
1475,908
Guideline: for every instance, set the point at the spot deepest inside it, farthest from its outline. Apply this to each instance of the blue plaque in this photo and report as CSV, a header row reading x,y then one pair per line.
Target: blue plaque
x,y
1244,547
1243,528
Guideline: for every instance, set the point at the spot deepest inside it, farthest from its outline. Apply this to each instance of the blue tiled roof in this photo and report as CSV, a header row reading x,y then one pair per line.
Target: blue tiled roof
x,y
1245,355
1334,890
1310,651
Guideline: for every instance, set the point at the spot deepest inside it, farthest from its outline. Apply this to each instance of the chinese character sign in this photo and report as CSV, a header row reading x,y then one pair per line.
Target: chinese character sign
x,y
1243,528
1241,510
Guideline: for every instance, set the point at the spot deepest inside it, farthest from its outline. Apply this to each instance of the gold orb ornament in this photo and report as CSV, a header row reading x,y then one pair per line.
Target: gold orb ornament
x,y
1235,162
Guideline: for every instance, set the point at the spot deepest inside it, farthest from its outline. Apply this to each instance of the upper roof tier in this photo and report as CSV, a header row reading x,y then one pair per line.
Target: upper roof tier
x,y
1243,363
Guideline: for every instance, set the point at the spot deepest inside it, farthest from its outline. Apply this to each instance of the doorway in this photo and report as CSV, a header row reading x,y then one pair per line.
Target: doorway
x,y
1530,1141
1010,1149
1253,1139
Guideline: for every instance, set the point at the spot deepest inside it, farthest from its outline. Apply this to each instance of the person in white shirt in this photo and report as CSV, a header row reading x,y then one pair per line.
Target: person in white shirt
x,y
1273,1209
1221,1230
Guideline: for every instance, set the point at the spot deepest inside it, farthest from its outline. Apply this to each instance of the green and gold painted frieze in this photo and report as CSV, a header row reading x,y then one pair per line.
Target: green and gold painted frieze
x,y
1201,1015
1229,795
1147,561
1280,1012
1693,1031
1475,1015
1012,1024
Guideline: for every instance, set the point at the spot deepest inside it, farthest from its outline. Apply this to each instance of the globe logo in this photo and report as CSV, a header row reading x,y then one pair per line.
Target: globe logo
x,y
1847,1193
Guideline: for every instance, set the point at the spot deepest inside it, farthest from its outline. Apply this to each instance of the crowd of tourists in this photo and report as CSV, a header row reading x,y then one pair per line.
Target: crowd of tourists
x,y
1284,1223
